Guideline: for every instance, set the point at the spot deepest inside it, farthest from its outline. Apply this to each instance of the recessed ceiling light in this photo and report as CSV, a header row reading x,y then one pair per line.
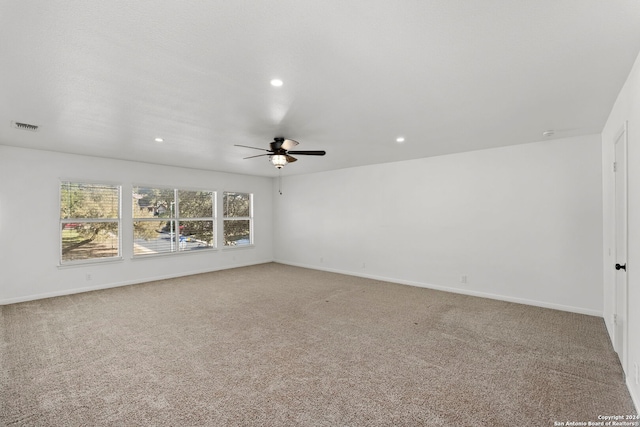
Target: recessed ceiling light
x,y
159,140
276,82
400,139
548,133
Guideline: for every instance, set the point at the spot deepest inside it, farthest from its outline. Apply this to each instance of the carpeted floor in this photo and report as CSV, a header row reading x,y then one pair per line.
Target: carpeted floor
x,y
275,345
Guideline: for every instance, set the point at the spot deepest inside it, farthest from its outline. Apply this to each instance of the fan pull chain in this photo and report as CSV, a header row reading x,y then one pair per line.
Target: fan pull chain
x,y
280,181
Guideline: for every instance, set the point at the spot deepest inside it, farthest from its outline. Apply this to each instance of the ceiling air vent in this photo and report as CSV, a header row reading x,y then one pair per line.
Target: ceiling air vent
x,y
24,126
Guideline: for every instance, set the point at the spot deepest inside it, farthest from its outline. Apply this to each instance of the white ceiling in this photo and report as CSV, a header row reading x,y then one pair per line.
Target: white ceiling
x,y
104,78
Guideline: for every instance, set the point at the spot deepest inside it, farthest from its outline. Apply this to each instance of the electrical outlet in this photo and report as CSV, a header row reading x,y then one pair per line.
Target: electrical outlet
x,y
463,278
88,277
364,265
321,259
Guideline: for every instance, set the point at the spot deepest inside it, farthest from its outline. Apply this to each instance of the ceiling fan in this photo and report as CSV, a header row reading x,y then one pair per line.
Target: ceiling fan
x,y
280,153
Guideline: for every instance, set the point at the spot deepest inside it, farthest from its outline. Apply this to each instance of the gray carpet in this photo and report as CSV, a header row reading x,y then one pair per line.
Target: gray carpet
x,y
274,345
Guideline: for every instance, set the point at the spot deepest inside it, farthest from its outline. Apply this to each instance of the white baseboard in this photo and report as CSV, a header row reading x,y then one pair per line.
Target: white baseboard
x,y
124,283
633,391
534,303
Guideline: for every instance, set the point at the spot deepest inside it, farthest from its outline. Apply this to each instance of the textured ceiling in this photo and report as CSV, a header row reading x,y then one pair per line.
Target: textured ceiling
x,y
104,78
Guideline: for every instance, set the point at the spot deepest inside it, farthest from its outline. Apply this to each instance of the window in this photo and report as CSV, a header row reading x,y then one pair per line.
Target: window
x,y
238,219
89,221
172,220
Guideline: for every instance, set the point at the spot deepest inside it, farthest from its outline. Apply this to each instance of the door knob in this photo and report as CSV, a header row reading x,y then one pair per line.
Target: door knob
x,y
621,267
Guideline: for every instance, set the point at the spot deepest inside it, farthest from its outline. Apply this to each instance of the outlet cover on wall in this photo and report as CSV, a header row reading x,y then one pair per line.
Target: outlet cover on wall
x,y
463,278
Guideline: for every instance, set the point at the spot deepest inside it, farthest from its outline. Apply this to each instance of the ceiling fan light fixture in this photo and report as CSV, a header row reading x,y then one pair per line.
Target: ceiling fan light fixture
x,y
276,82
280,153
278,160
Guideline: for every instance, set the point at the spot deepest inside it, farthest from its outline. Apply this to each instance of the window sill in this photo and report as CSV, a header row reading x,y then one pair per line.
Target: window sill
x,y
89,262
172,254
232,248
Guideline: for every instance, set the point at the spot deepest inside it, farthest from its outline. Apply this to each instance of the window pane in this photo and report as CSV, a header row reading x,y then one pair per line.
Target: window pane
x,y
195,235
153,202
78,200
236,204
153,237
237,232
195,204
88,240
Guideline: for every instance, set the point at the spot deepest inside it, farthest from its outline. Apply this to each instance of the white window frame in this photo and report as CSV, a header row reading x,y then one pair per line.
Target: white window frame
x,y
238,218
74,220
176,217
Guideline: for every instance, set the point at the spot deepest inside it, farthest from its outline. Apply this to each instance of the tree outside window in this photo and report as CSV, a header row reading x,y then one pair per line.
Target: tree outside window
x,y
238,218
172,220
89,221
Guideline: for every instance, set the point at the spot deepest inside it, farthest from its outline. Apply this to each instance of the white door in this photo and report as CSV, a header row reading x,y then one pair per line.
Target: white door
x,y
620,259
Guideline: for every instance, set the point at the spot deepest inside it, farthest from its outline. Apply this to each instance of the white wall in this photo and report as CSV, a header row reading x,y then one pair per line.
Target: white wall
x,y
29,218
626,108
523,223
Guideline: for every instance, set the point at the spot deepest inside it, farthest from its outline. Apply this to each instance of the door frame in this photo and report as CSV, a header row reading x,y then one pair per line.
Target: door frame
x,y
621,281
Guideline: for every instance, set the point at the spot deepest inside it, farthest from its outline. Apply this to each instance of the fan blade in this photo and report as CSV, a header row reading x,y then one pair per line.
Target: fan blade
x,y
309,152
246,146
259,155
288,144
290,159
281,143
